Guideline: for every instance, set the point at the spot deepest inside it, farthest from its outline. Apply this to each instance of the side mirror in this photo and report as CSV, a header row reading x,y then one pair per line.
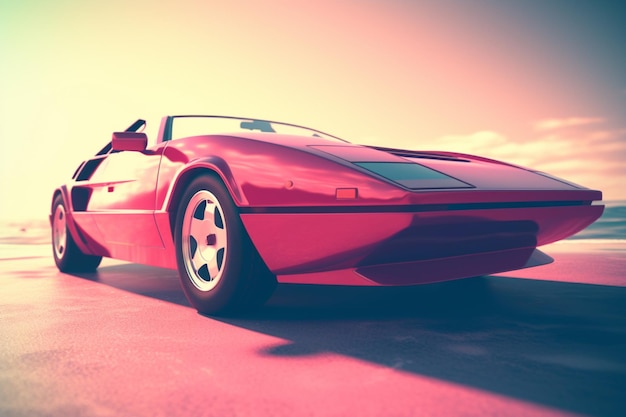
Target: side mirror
x,y
129,141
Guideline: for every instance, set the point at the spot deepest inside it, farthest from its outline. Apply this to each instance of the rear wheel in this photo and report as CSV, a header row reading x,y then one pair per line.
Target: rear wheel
x,y
220,270
67,256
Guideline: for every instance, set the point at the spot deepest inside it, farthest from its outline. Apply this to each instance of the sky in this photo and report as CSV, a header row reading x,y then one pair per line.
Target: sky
x,y
541,83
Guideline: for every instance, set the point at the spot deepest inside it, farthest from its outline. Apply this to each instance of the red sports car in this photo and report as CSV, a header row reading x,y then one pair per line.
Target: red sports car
x,y
238,204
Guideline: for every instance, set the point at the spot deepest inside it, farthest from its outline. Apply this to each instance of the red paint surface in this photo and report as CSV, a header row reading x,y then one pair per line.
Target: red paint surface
x,y
122,209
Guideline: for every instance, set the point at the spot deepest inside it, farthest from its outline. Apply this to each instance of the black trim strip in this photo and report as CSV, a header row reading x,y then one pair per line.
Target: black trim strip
x,y
415,208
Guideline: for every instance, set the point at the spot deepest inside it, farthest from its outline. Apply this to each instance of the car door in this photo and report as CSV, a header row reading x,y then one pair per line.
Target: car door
x,y
123,195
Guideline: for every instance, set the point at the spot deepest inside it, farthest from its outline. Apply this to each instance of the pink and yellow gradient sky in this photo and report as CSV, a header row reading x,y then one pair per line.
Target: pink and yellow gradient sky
x,y
538,83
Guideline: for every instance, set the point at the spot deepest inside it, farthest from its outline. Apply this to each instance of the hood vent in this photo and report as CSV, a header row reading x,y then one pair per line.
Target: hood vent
x,y
413,175
417,154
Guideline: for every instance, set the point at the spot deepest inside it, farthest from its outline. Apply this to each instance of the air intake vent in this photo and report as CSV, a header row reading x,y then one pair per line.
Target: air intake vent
x,y
413,175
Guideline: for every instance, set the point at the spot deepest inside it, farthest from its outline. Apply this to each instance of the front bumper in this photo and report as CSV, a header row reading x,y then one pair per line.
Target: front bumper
x,y
391,248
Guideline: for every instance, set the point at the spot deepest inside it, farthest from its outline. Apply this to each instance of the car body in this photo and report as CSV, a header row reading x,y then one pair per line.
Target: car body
x,y
274,202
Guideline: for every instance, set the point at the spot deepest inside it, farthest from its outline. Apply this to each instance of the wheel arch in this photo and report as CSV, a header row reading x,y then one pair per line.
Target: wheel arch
x,y
64,194
58,192
79,240
212,166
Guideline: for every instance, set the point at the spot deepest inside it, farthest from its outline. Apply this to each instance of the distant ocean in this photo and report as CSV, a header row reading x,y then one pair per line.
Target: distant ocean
x,y
612,224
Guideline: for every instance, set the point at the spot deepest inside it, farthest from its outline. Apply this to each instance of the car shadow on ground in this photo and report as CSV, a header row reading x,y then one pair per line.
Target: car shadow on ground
x,y
557,344
158,283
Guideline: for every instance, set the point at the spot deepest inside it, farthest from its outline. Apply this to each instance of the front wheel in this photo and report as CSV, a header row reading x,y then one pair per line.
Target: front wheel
x,y
219,268
67,256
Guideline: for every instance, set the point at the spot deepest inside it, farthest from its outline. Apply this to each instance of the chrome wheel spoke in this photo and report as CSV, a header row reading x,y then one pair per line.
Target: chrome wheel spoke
x,y
209,213
198,230
206,258
213,268
220,238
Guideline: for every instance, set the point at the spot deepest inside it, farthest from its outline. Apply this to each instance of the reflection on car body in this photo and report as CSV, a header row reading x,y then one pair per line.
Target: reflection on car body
x,y
237,205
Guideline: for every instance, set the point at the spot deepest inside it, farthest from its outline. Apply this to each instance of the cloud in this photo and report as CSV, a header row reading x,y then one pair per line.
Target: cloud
x,y
587,152
551,124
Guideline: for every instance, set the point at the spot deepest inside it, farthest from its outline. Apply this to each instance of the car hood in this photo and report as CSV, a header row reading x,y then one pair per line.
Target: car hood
x,y
444,170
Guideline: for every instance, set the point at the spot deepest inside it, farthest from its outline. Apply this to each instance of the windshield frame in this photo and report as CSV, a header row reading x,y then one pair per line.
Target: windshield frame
x,y
167,124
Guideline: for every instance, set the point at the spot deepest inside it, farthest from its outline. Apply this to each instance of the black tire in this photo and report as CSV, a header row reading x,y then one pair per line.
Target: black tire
x,y
220,270
67,256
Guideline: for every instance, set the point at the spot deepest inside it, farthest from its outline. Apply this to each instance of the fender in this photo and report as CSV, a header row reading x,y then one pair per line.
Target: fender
x,y
216,165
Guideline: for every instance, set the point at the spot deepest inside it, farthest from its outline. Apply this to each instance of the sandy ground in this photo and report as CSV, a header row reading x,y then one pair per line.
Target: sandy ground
x,y
548,341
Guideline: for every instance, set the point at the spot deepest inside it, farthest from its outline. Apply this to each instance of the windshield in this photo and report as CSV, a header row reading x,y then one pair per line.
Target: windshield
x,y
185,126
